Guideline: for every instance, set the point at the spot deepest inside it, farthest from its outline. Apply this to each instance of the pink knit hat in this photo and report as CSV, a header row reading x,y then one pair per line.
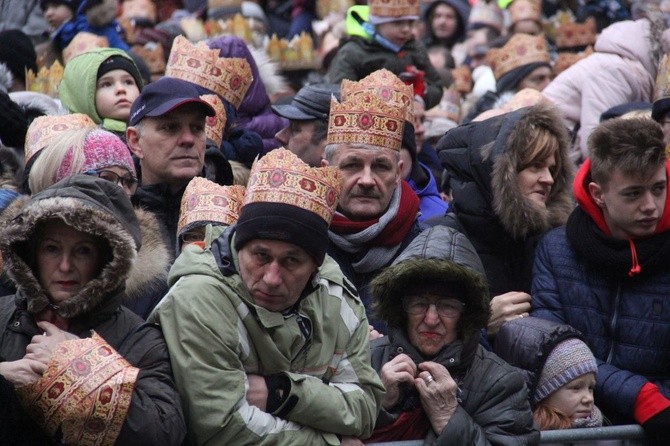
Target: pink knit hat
x,y
101,149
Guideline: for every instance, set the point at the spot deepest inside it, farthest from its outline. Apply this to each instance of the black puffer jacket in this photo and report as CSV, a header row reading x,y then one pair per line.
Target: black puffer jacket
x,y
98,207
493,407
483,160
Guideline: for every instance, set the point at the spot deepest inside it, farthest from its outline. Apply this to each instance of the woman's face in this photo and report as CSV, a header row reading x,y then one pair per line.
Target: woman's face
x,y
536,179
574,399
67,259
444,22
433,329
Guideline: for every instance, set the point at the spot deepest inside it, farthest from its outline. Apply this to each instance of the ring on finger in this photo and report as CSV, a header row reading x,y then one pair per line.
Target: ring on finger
x,y
429,379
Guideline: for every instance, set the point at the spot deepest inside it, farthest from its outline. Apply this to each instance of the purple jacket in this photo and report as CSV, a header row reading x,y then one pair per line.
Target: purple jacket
x,y
254,112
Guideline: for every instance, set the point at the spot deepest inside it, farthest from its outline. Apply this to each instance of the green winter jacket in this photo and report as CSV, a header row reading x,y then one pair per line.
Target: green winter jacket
x,y
216,335
77,89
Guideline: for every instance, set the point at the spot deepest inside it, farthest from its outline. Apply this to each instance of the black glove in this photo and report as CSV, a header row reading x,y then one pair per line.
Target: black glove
x,y
657,427
13,122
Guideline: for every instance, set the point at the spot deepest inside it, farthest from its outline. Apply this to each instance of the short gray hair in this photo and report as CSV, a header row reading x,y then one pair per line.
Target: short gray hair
x,y
329,150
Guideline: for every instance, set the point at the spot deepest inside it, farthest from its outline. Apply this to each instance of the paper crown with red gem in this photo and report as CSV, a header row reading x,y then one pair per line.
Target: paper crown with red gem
x,y
520,50
229,77
215,124
373,111
207,202
46,129
282,177
571,34
394,8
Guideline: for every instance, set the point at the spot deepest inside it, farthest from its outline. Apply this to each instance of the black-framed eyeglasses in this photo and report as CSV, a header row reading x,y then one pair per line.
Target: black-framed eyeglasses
x,y
418,306
128,182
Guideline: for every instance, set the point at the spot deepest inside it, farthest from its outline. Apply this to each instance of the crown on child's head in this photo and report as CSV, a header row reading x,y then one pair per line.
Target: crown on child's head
x,y
520,50
394,8
229,77
215,124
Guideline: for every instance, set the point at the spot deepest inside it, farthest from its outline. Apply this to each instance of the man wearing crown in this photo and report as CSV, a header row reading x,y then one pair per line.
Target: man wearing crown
x,y
268,340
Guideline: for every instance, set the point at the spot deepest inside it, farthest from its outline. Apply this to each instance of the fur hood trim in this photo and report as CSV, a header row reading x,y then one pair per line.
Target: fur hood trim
x,y
90,205
439,256
150,271
518,215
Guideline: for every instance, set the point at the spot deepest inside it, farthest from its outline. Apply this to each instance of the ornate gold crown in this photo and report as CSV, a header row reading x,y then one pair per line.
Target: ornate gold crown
x,y
282,177
152,54
570,35
229,77
387,87
45,129
525,10
83,42
488,14
206,201
46,80
215,124
520,50
298,54
365,119
663,79
566,60
394,8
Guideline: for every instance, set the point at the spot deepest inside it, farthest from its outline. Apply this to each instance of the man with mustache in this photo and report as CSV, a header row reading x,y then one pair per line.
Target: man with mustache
x,y
606,272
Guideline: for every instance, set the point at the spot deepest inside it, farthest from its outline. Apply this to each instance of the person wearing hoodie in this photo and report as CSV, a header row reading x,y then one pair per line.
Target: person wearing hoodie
x,y
622,69
76,367
510,177
605,272
446,22
441,384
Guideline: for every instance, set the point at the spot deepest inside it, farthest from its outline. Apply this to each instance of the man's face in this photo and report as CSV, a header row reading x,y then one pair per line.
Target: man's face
x,y
537,79
444,22
171,148
275,273
370,178
297,137
631,205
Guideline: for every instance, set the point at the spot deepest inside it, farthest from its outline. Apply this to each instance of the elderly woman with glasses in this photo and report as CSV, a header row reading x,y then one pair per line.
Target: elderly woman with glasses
x,y
97,152
441,384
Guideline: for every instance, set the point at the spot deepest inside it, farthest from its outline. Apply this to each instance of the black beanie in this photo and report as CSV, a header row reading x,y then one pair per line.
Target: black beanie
x,y
284,223
510,80
72,4
408,140
121,63
17,53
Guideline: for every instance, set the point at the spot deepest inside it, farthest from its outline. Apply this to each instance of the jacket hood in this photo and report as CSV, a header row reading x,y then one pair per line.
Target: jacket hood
x,y
77,89
438,255
483,160
526,343
637,40
88,204
462,8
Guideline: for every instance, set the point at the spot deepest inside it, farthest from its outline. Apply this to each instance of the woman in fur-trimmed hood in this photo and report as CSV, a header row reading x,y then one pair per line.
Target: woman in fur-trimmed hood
x,y
440,382
510,178
70,250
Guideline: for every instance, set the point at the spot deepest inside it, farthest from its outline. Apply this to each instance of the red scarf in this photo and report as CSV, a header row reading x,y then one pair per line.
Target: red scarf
x,y
395,231
411,425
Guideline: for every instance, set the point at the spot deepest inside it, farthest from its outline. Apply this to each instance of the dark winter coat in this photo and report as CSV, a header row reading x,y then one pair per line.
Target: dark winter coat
x,y
483,160
493,402
99,207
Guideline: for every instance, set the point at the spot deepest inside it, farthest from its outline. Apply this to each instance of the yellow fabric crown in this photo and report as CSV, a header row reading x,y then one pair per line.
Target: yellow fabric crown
x,y
282,177
46,80
206,201
229,77
520,50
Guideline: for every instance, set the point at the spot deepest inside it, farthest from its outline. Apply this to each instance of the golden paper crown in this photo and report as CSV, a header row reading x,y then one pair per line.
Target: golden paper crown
x,y
298,54
152,54
570,35
387,87
83,42
45,129
139,9
365,119
207,202
566,60
488,14
229,77
282,177
46,80
525,10
662,89
214,4
394,8
215,124
520,50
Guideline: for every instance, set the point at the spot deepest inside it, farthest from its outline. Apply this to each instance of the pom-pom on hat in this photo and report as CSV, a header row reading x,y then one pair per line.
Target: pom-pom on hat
x,y
569,360
288,201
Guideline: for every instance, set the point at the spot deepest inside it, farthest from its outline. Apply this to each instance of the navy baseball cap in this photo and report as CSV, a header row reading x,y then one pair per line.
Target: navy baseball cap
x,y
311,102
164,95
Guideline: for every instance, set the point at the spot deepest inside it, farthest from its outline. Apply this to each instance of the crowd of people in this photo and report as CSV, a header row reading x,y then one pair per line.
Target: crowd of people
x,y
444,221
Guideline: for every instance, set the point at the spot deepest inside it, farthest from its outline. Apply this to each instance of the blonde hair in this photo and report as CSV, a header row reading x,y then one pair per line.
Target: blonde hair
x,y
240,173
44,170
541,144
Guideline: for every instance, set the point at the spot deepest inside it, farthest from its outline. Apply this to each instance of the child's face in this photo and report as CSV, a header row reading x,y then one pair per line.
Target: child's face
x,y
575,399
56,14
114,95
399,32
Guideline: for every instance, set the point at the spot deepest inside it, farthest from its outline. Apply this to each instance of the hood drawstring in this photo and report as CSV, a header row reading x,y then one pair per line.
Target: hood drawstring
x,y
635,268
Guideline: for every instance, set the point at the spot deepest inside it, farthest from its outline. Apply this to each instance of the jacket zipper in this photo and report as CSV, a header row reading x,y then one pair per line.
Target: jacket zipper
x,y
613,322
